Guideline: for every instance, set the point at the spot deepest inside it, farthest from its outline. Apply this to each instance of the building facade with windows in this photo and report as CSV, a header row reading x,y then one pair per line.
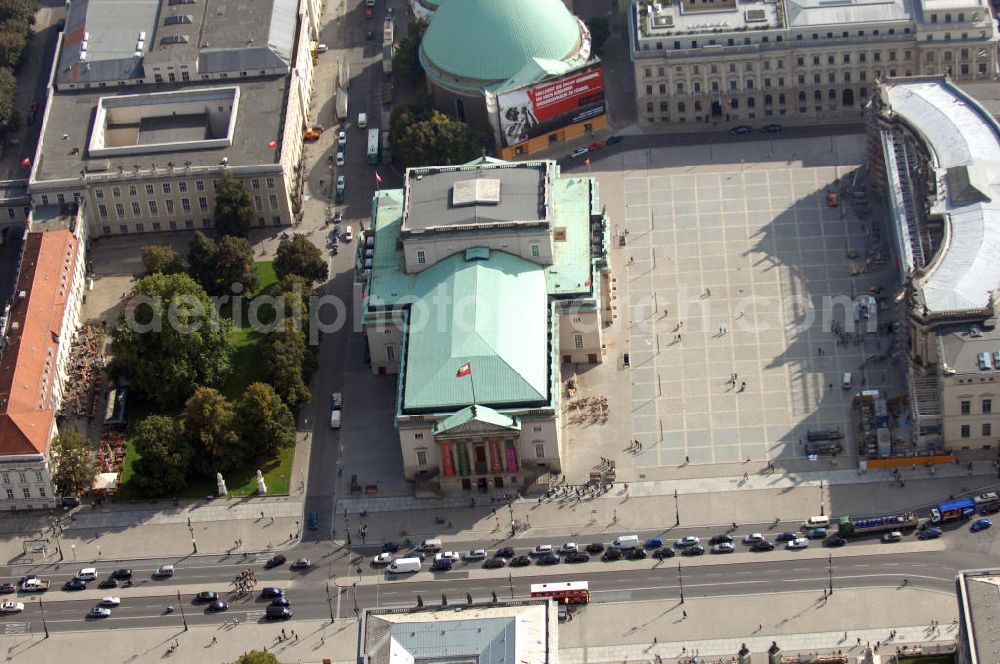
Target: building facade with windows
x,y
729,61
934,151
476,284
149,103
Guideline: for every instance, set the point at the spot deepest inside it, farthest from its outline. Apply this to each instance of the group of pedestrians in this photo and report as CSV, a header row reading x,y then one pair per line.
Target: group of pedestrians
x,y
245,582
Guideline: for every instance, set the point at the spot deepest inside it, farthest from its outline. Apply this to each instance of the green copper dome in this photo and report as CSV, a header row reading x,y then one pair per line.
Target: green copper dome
x,y
491,40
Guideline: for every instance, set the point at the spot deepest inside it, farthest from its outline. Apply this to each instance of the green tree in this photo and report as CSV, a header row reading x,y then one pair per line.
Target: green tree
x,y
234,211
210,425
9,119
13,39
265,423
22,11
164,462
75,468
298,256
257,657
234,265
202,253
161,258
170,339
286,356
436,141
600,30
406,60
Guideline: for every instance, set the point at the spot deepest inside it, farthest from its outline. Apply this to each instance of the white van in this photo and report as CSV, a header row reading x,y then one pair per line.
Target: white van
x,y
817,522
87,574
430,545
405,565
846,382
362,120
626,542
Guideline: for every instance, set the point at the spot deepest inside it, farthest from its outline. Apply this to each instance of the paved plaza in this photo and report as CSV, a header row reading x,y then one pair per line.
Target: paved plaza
x,y
731,269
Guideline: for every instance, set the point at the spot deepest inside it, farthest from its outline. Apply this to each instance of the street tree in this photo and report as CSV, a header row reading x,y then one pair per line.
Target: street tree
x,y
210,426
75,468
202,254
234,265
170,339
234,211
296,255
286,357
161,258
406,60
437,140
264,421
9,118
257,657
600,30
164,462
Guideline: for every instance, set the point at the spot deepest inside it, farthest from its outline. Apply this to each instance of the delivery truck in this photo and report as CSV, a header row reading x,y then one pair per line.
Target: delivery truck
x,y
953,510
851,527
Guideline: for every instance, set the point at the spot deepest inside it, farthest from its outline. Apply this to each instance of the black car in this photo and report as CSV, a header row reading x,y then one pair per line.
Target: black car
x,y
278,613
110,582
665,552
721,539
612,554
613,139
520,561
280,601
636,554
741,130
578,557
772,128
217,606
506,552
549,559
695,550
442,565
7,588
596,547
391,547
122,574
75,584
279,559
495,563
835,541
206,596
762,545
271,591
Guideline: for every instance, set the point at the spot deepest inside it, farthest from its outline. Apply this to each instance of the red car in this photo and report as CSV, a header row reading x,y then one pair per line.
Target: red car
x,y
368,12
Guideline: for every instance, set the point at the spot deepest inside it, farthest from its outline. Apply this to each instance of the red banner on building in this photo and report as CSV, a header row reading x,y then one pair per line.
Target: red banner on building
x,y
496,460
447,464
533,111
511,457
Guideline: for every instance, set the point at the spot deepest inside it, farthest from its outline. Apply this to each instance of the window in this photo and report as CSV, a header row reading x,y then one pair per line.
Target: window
x,y
6,478
847,58
186,204
132,191
276,220
418,436
173,225
680,89
816,61
258,203
189,223
966,407
537,427
255,184
136,210
98,193
421,454
203,203
269,182
535,250
170,206
801,62
10,494
987,429
41,491
578,341
862,57
22,478
119,210
149,190
102,209
966,431
829,59
166,187
987,406
421,257
139,228
156,225
153,209
27,492
182,187
539,450
390,353
272,200
199,185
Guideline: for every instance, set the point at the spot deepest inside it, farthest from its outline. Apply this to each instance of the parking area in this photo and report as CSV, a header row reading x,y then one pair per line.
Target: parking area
x,y
739,272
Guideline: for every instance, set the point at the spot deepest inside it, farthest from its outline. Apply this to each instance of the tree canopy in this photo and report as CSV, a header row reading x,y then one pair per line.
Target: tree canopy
x,y
405,61
234,265
75,468
164,456
600,30
172,339
16,19
210,425
296,255
286,355
161,258
257,657
264,421
424,136
234,210
202,252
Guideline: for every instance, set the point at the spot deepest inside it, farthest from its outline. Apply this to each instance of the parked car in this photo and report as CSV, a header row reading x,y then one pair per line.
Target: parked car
x,y
11,607
475,554
551,558
981,524
752,538
785,537
447,555
322,48
579,152
275,561
99,612
665,552
930,533
740,130
695,550
541,550
206,596
123,574
613,139
797,543
834,541
312,134
690,540
719,539
505,552
894,536
520,561
495,563
7,588
724,547
772,128
612,554
217,606
578,557
382,559
568,547
442,565
341,137
815,533
636,554
340,158
762,545
594,547
653,543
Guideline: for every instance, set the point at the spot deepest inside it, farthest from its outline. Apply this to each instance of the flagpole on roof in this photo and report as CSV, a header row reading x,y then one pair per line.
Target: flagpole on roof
x,y
472,382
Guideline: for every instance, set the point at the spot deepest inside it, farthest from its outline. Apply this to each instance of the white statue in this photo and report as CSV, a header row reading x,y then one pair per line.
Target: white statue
x,y
220,484
261,487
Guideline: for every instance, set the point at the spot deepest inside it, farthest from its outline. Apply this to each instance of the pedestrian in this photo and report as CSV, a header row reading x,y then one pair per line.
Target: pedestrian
x,y
687,459
685,613
760,627
859,640
262,514
743,386
272,519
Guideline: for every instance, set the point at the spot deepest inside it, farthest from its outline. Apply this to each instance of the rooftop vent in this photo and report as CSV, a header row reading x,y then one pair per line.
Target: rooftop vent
x,y
179,19
182,2
175,39
755,15
663,21
480,191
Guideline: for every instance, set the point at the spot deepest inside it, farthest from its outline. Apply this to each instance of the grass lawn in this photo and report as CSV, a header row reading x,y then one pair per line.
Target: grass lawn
x,y
248,367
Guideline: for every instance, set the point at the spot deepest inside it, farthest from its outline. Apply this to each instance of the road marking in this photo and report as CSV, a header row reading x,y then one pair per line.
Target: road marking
x,y
15,627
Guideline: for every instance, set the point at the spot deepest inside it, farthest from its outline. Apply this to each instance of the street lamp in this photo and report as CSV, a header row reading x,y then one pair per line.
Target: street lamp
x,y
356,610
677,509
181,604
680,580
829,567
329,602
45,625
821,512
510,580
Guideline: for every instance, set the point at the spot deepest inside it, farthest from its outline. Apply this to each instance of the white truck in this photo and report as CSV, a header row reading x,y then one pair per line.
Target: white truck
x,y
336,409
405,566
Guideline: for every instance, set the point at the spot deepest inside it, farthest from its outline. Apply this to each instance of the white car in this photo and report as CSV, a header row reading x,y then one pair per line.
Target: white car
x,y
340,157
690,540
753,538
348,234
541,550
322,48
569,547
99,612
798,543
11,607
579,152
382,559
342,137
475,554
110,601
450,555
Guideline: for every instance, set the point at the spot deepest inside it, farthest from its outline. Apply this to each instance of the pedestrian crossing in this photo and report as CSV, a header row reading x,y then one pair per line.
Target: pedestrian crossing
x,y
15,627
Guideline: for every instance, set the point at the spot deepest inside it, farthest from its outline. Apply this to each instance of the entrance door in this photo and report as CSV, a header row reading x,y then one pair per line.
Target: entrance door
x,y
467,484
592,358
480,460
498,482
848,97
716,108
483,485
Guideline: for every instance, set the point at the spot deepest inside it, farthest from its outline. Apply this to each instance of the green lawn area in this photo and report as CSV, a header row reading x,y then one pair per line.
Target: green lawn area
x,y
248,367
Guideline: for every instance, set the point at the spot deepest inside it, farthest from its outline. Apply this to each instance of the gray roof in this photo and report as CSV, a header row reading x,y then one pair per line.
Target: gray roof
x,y
431,196
981,605
962,343
818,13
957,132
259,120
111,31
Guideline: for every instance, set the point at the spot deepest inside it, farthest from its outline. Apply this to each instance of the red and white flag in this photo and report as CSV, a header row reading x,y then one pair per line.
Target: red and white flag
x,y
588,282
378,178
464,370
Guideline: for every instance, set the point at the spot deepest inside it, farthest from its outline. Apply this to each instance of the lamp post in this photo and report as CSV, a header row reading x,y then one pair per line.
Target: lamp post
x,y
356,610
45,626
680,580
677,509
329,602
829,568
183,617
510,580
821,512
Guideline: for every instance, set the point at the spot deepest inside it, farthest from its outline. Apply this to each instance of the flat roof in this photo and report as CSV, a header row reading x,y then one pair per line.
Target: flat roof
x,y
814,13
962,344
957,132
445,198
979,595
71,115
